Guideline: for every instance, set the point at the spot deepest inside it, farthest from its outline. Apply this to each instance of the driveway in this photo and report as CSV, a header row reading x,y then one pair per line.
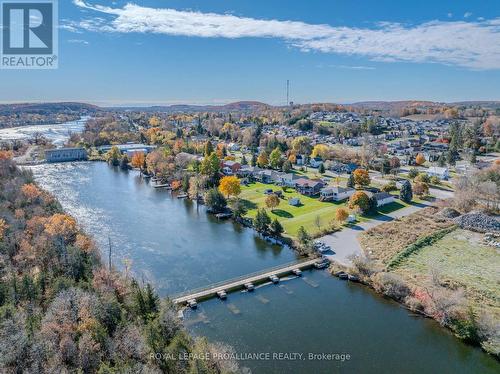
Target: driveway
x,y
345,243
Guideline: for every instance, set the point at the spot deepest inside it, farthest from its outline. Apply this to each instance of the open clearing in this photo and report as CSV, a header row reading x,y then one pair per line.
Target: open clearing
x,y
384,241
460,260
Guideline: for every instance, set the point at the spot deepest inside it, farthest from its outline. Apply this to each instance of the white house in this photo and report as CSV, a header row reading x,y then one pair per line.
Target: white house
x,y
383,198
316,162
436,171
336,193
294,201
288,180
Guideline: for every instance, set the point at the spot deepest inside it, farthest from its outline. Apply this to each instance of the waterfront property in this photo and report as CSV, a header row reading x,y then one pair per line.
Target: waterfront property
x,y
336,193
65,154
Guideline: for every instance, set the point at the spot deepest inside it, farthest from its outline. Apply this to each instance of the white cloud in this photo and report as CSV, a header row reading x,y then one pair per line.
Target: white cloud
x,y
467,14
78,41
468,44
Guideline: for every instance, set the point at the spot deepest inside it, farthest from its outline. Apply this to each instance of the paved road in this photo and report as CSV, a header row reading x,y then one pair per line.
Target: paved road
x,y
345,243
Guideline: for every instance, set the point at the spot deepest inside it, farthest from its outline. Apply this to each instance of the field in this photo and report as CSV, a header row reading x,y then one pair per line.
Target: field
x,y
291,217
384,241
461,260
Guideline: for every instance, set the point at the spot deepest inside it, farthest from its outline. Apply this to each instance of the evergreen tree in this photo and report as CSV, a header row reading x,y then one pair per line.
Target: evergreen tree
x,y
287,167
262,221
373,205
253,162
442,160
209,148
276,227
406,193
244,160
124,162
321,169
215,200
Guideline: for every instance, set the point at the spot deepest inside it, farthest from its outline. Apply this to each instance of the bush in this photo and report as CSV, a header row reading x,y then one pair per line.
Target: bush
x,y
391,285
391,186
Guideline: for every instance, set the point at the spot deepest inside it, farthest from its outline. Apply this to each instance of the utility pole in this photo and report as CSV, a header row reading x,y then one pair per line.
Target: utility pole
x,y
287,92
109,253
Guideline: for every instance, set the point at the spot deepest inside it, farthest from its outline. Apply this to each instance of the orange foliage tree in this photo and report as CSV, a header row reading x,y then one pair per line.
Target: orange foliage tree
x,y
30,191
61,225
361,177
176,185
359,200
3,228
230,186
138,159
420,159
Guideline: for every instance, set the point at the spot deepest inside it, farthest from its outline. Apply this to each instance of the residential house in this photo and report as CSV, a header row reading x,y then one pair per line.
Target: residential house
x,y
287,180
316,162
336,193
309,187
440,172
383,198
230,167
266,176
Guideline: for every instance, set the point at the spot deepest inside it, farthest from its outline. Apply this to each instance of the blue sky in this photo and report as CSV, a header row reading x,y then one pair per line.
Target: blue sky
x,y
218,51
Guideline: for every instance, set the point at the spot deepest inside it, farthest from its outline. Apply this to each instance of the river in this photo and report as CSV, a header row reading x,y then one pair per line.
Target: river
x,y
55,133
176,246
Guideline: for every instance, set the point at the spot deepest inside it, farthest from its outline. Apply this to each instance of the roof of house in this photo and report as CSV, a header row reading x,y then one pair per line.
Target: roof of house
x,y
382,195
337,189
437,170
308,182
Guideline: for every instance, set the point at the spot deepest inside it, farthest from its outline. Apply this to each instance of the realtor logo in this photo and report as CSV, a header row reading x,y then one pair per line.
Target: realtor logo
x,y
29,34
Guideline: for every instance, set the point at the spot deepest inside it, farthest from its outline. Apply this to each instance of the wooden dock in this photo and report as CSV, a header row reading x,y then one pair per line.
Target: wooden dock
x,y
241,282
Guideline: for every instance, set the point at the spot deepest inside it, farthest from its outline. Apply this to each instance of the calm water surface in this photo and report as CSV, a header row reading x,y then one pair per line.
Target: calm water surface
x,y
169,241
177,247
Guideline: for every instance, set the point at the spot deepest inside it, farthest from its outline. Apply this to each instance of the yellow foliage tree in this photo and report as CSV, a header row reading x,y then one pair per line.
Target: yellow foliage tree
x,y
154,121
61,225
230,186
263,159
361,177
320,150
3,228
272,201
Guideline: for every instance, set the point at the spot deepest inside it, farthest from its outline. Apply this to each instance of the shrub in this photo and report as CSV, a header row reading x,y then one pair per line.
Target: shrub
x,y
391,285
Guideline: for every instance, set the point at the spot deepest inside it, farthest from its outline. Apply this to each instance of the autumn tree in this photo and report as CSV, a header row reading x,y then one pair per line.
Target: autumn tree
x,y
272,201
420,159
31,192
208,149
230,186
3,228
361,177
420,188
302,145
61,225
395,164
138,159
320,150
360,200
341,215
210,166
263,159
113,156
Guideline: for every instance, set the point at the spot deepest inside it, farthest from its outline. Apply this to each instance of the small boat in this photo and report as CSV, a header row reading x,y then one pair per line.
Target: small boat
x,y
297,272
321,265
249,286
342,275
273,278
182,196
192,304
222,295
353,278
161,186
223,215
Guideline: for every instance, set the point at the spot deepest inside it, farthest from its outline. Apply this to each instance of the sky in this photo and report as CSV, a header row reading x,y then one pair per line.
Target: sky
x,y
152,52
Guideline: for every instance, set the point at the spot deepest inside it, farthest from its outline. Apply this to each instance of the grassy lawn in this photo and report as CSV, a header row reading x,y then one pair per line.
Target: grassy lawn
x,y
291,217
461,260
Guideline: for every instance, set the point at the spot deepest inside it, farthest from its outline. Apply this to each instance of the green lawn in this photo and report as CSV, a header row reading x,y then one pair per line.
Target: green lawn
x,y
290,217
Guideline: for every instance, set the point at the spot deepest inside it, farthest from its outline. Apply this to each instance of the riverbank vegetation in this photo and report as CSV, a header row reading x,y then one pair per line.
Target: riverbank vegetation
x,y
62,310
446,273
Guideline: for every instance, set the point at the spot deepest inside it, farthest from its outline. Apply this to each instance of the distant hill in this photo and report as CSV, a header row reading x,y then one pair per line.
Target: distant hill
x,y
47,108
240,106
